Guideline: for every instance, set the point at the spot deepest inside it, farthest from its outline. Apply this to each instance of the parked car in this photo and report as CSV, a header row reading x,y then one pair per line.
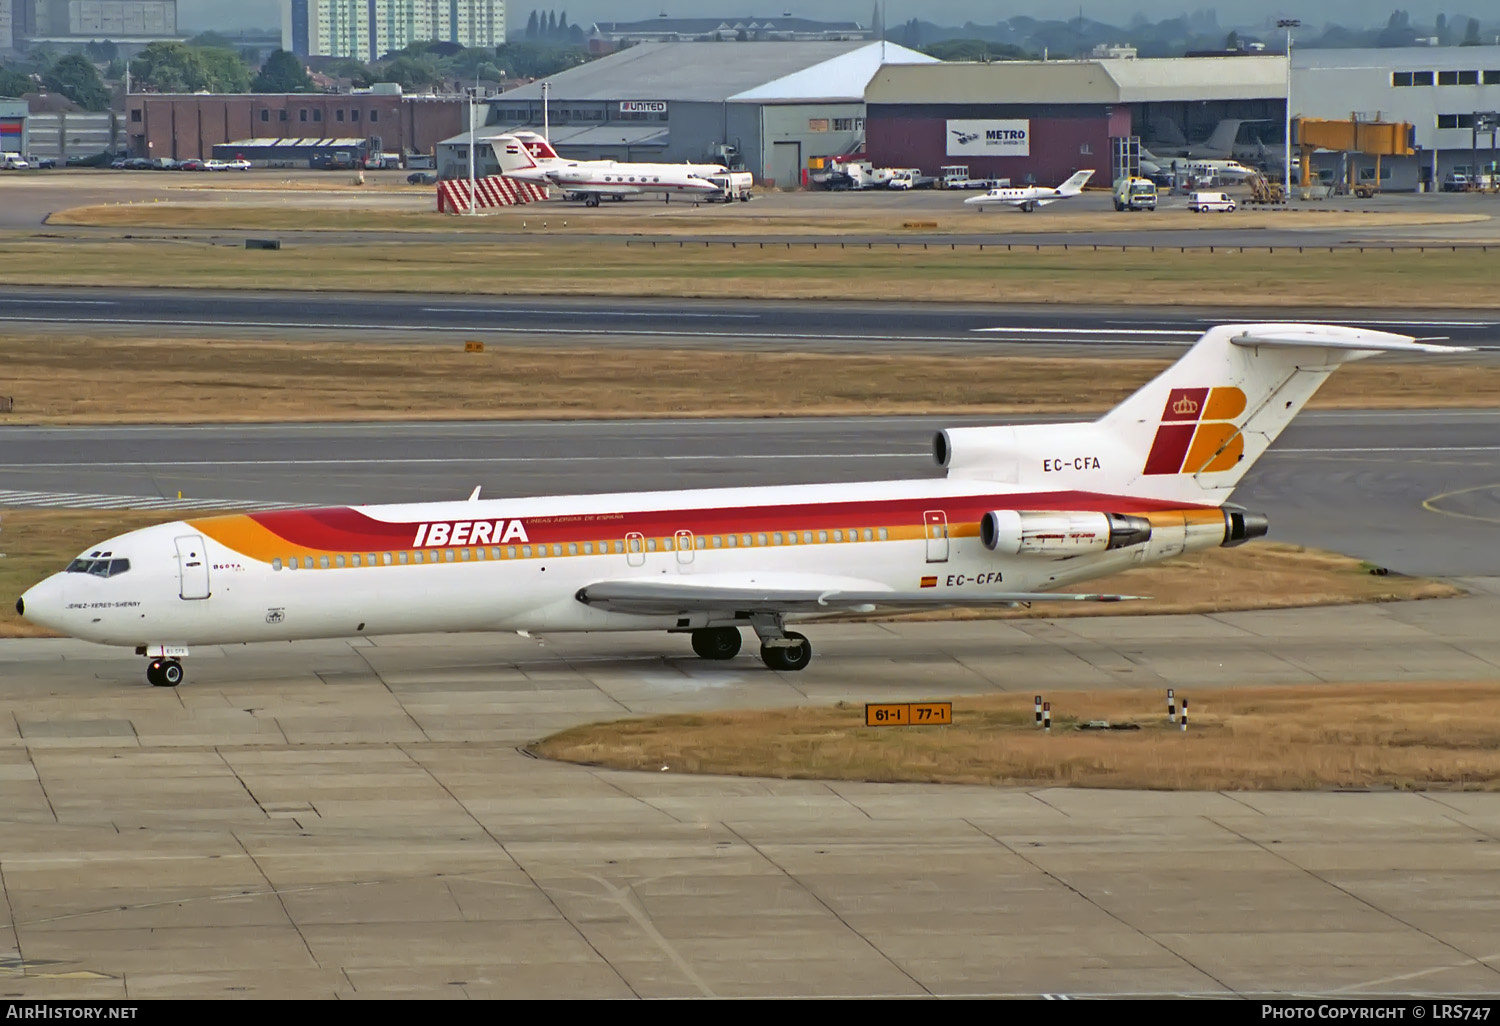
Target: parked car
x,y
1201,202
192,165
422,178
238,164
1456,181
43,162
14,162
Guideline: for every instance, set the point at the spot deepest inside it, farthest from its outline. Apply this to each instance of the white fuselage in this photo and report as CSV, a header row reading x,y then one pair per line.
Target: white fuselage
x,y
517,564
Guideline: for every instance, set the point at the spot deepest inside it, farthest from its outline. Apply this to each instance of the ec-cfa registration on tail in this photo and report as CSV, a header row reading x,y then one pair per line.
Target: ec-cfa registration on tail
x,y
1024,510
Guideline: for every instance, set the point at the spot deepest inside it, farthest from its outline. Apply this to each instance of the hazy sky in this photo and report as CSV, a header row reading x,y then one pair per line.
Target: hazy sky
x,y
196,15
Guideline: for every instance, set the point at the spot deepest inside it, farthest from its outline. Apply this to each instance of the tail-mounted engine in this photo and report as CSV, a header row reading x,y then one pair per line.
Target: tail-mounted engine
x,y
1014,532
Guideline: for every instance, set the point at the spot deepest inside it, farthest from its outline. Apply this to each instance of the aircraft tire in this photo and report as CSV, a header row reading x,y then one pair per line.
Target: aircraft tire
x,y
789,659
164,673
717,642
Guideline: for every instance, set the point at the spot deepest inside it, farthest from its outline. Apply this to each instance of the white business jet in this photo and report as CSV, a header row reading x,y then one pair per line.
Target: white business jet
x,y
1024,512
1029,197
530,158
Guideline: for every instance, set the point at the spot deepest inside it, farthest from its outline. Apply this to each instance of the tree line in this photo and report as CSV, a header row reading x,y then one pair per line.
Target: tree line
x,y
207,63
550,27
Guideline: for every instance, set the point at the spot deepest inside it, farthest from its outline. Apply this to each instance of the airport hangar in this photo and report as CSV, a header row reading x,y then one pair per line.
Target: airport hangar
x,y
1438,90
766,106
1037,122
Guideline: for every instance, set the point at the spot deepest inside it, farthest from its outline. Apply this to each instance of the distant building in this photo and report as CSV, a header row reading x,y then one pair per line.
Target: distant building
x,y
1114,51
369,29
183,126
609,35
81,21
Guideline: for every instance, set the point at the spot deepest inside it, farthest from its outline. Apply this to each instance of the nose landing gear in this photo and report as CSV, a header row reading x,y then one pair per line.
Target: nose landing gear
x,y
164,673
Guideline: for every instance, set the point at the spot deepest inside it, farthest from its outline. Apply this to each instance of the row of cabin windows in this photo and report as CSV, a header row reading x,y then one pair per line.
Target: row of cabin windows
x,y
635,544
1445,78
317,115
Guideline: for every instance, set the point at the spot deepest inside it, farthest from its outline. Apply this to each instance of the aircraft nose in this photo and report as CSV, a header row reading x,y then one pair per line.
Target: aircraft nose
x,y
42,603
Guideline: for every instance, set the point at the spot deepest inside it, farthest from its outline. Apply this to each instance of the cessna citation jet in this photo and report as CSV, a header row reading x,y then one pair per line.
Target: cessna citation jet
x,y
530,158
1023,510
1029,197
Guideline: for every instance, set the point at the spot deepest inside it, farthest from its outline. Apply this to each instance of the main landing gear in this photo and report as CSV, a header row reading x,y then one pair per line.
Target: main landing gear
x,y
780,649
164,673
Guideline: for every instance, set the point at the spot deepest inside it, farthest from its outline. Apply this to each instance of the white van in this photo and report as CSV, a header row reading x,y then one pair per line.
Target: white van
x,y
1199,202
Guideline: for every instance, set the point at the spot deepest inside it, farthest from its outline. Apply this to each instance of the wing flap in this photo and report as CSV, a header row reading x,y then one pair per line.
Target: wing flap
x,y
663,598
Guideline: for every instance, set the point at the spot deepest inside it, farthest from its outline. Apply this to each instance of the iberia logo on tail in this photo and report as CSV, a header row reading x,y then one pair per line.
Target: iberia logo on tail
x,y
1198,432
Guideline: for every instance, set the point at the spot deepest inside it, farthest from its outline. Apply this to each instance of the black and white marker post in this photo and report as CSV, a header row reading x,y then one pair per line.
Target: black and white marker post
x,y
1171,706
1184,715
1047,717
1038,701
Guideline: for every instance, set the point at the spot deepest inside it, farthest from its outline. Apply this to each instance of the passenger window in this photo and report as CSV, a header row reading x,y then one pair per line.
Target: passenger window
x,y
619,547
323,562
650,544
495,552
666,544
525,551
370,559
884,534
401,557
354,559
478,553
338,562
275,564
463,554
385,557
572,548
760,539
588,548
510,552
775,538
745,541
416,557
807,537
823,537
869,534
448,555
838,536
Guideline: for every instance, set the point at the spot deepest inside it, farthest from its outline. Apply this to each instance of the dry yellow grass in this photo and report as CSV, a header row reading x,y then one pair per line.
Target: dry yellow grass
x,y
1407,736
41,542
1252,279
74,379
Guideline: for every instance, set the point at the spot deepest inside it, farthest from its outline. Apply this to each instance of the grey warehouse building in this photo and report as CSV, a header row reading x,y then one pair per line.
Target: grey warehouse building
x,y
1437,89
768,107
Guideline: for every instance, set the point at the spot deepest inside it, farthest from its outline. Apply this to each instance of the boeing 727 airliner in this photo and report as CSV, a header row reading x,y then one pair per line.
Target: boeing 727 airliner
x,y
1024,510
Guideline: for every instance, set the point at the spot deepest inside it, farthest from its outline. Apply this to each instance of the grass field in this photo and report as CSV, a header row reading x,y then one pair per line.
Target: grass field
x,y
68,379
1409,736
41,542
516,266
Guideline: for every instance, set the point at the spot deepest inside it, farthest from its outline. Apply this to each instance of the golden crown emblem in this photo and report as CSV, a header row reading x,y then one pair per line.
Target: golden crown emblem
x,y
1185,405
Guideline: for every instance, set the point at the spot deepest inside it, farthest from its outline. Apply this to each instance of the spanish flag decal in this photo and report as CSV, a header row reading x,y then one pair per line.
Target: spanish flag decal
x,y
929,582
1198,432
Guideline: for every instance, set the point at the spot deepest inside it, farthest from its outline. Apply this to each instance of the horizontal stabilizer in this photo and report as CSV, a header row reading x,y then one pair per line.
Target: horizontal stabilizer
x,y
648,598
1346,338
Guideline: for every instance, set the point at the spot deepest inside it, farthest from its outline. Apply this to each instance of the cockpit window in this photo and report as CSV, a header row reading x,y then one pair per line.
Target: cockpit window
x,y
99,567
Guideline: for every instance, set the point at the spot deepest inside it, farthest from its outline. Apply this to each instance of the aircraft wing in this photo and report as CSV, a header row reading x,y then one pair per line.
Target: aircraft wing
x,y
647,597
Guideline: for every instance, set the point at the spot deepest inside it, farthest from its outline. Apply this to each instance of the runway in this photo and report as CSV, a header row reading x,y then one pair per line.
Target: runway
x,y
1415,491
441,319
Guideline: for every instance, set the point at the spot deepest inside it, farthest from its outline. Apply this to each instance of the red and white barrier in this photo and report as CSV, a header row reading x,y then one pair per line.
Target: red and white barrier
x,y
492,191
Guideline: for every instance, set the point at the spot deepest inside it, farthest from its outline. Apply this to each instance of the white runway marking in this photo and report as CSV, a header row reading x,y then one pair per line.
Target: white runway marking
x,y
83,500
670,315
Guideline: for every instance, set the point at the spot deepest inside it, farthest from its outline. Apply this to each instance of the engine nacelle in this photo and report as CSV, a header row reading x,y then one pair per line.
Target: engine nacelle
x,y
1014,532
1240,525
